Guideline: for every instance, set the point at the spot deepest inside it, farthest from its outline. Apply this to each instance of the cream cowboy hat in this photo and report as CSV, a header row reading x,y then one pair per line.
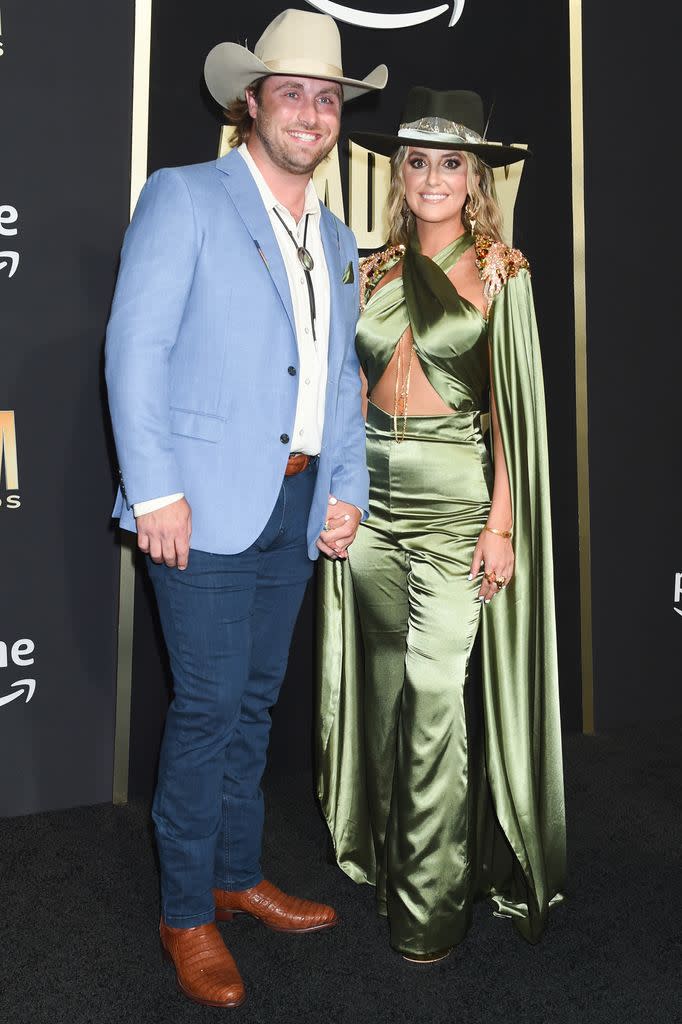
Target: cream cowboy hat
x,y
295,43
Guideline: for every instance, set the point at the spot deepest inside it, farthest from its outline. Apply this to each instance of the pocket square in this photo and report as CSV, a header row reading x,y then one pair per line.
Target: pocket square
x,y
348,275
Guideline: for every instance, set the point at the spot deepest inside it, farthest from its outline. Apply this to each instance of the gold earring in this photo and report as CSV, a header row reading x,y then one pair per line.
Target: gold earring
x,y
471,212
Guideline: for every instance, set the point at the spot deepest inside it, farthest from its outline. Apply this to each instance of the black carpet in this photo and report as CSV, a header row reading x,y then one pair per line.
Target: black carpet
x,y
79,906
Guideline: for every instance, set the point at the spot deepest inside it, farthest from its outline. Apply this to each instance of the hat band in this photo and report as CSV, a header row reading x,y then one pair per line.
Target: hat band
x,y
305,66
438,128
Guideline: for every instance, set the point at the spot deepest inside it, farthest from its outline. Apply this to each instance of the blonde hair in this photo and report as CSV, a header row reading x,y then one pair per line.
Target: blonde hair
x,y
237,114
481,200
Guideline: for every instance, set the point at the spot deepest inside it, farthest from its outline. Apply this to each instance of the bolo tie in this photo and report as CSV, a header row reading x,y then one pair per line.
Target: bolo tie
x,y
306,261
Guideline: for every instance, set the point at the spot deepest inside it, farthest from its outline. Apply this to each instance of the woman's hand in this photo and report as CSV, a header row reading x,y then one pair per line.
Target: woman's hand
x,y
496,555
340,528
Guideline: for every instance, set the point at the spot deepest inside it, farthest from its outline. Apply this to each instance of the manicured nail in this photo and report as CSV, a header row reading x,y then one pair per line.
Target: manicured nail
x,y
481,598
487,600
346,518
333,500
470,577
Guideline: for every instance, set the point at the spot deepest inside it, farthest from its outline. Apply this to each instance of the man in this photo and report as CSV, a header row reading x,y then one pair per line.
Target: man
x,y
234,395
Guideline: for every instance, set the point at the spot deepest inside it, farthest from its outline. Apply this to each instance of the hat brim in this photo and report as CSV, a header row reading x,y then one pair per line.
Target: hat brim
x,y
490,153
229,68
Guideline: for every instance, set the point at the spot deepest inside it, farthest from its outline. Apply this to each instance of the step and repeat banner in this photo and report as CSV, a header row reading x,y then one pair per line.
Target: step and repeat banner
x,y
65,121
517,57
65,93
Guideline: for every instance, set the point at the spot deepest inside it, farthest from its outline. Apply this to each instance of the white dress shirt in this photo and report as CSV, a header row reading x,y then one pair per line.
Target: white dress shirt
x,y
312,348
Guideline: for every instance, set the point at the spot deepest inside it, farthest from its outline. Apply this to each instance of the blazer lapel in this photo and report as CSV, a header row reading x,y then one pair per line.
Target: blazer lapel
x,y
337,321
243,191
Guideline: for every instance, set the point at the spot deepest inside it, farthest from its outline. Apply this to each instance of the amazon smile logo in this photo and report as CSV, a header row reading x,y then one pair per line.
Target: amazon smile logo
x,y
20,654
26,686
372,19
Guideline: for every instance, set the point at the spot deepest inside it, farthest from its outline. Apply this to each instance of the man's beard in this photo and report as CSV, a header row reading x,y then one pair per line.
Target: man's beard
x,y
295,162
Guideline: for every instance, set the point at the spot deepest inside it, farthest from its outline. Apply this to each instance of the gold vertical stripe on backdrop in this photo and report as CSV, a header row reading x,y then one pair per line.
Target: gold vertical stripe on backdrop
x,y
581,406
126,590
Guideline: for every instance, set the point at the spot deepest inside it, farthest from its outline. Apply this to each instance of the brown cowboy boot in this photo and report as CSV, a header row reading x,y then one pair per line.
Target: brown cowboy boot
x,y
274,908
204,969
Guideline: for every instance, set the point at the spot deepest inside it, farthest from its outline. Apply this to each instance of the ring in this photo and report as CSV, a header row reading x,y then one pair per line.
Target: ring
x,y
500,581
325,526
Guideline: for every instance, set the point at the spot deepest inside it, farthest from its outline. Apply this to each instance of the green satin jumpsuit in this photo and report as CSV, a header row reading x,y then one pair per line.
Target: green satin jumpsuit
x,y
416,803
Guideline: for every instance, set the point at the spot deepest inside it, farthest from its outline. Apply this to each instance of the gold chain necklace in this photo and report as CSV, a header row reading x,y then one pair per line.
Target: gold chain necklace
x,y
401,391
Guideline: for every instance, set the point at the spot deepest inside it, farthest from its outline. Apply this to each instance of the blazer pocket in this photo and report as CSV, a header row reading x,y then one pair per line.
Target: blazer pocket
x,y
196,424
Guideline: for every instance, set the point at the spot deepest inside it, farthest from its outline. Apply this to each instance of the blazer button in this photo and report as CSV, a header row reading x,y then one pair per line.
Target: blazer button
x,y
292,371
284,438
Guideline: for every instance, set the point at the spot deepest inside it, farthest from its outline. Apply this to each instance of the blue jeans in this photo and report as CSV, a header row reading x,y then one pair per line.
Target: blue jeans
x,y
227,622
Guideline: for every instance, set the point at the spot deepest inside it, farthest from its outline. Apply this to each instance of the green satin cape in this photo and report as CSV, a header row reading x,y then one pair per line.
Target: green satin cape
x,y
521,849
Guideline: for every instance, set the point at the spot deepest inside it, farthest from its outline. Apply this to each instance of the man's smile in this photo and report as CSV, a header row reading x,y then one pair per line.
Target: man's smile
x,y
302,136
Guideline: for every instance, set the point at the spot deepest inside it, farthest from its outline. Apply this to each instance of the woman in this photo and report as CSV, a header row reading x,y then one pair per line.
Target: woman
x,y
427,797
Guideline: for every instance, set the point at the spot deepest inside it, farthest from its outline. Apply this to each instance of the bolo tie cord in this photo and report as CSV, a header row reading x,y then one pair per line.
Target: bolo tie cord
x,y
307,263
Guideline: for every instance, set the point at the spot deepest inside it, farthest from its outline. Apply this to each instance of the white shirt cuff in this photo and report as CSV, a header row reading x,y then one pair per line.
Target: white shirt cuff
x,y
141,508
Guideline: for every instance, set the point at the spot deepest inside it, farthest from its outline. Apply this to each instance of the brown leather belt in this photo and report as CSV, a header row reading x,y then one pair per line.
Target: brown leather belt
x,y
296,463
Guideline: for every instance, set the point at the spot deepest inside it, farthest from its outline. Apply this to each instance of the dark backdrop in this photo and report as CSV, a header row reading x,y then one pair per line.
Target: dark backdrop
x,y
513,54
635,362
65,111
65,96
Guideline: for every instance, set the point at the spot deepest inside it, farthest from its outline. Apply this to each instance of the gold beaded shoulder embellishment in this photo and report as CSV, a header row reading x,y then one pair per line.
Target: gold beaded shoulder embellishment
x,y
496,263
373,268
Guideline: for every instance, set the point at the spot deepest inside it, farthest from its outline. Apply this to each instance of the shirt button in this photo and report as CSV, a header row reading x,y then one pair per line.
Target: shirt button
x,y
284,438
302,280
291,370
307,330
307,380
300,433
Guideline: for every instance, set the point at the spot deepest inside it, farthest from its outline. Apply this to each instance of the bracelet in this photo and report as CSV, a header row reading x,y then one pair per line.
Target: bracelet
x,y
498,533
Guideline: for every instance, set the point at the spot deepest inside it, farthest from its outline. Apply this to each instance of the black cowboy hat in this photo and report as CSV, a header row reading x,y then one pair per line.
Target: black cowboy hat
x,y
442,120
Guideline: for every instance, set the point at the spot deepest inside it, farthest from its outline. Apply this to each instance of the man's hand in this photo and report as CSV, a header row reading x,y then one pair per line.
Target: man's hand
x,y
164,534
343,521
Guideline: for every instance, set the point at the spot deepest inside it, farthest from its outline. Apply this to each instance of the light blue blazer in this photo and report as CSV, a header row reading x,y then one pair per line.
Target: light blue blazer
x,y
199,345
